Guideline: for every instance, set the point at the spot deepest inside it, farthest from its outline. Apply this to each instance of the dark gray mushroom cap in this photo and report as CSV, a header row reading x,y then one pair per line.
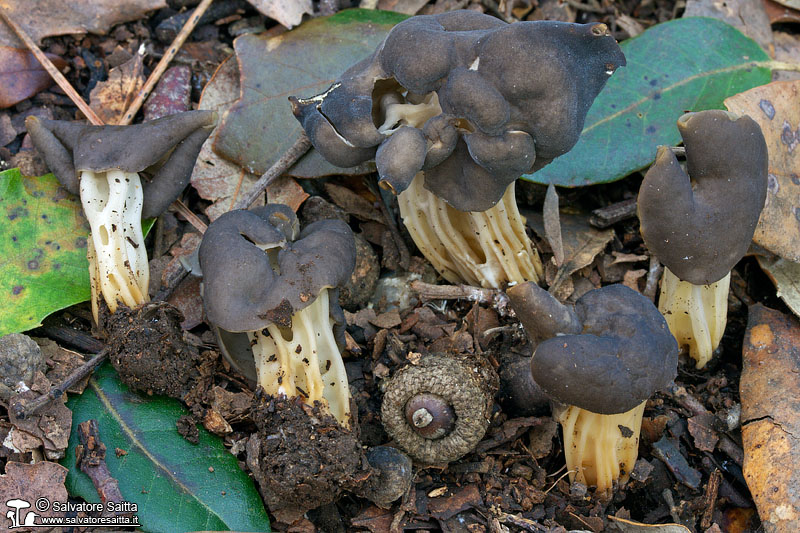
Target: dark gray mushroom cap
x,y
624,353
246,288
515,95
699,225
70,148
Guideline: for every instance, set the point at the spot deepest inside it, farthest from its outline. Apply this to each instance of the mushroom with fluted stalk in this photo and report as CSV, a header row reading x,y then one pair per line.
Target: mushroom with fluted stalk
x,y
122,174
700,221
600,362
454,108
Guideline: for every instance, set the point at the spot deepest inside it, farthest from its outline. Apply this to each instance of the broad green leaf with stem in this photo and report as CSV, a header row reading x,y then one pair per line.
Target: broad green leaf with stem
x,y
177,486
687,64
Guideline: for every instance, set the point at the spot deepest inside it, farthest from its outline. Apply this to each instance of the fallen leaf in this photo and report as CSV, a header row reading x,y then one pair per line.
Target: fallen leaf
x,y
260,127
62,362
748,16
29,483
353,203
669,452
406,7
51,425
786,277
43,266
794,4
774,107
285,190
213,177
701,428
45,18
582,242
778,13
22,76
460,499
171,95
111,98
629,526
186,297
167,477
288,13
771,417
787,49
639,106
552,224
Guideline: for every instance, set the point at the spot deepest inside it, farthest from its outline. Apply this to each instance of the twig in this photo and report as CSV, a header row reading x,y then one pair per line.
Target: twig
x,y
494,297
52,70
190,217
400,244
289,158
23,411
72,337
653,275
710,498
611,214
144,92
90,457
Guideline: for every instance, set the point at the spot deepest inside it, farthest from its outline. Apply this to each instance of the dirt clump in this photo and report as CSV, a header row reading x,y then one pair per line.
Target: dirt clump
x,y
301,457
150,354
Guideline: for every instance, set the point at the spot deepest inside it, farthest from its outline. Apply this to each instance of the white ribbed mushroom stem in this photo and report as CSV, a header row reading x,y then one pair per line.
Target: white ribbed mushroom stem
x,y
484,248
118,269
600,449
304,360
696,314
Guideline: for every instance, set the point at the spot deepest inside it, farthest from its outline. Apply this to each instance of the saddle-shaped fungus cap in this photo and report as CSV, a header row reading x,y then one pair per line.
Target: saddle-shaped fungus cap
x,y
699,225
258,270
624,353
514,97
70,148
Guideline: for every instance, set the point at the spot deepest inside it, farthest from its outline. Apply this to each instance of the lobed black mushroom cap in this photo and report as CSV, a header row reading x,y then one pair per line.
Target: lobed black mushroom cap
x,y
518,91
699,225
70,148
255,274
624,353
541,314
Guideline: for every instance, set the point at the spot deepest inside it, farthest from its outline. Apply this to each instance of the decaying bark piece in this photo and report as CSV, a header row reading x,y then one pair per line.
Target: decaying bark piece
x,y
771,417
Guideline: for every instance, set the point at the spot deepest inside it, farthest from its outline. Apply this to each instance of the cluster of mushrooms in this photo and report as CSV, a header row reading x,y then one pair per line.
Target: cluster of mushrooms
x,y
453,108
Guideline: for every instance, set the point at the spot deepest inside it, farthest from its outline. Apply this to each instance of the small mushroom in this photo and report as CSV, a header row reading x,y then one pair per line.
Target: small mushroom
x,y
700,223
270,290
454,108
122,173
600,365
437,408
393,477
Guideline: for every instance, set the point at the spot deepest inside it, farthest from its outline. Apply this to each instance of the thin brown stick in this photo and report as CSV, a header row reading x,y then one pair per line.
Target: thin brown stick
x,y
144,92
52,70
26,410
402,249
289,158
190,217
494,297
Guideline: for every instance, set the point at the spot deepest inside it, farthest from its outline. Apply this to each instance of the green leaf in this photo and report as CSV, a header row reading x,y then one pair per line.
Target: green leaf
x,y
43,266
260,127
688,64
170,479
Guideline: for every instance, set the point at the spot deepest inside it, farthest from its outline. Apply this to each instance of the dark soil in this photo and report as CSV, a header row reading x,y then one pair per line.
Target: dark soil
x,y
150,354
301,457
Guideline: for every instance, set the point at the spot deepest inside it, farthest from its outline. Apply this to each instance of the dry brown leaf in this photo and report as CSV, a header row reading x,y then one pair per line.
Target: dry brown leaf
x,y
110,98
21,75
794,4
552,224
45,18
51,425
215,178
285,190
787,49
407,7
771,417
786,277
581,241
779,13
629,526
29,483
288,13
774,107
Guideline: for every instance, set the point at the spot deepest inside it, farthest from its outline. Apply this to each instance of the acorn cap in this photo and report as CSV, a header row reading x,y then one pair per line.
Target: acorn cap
x,y
515,96
699,225
621,355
